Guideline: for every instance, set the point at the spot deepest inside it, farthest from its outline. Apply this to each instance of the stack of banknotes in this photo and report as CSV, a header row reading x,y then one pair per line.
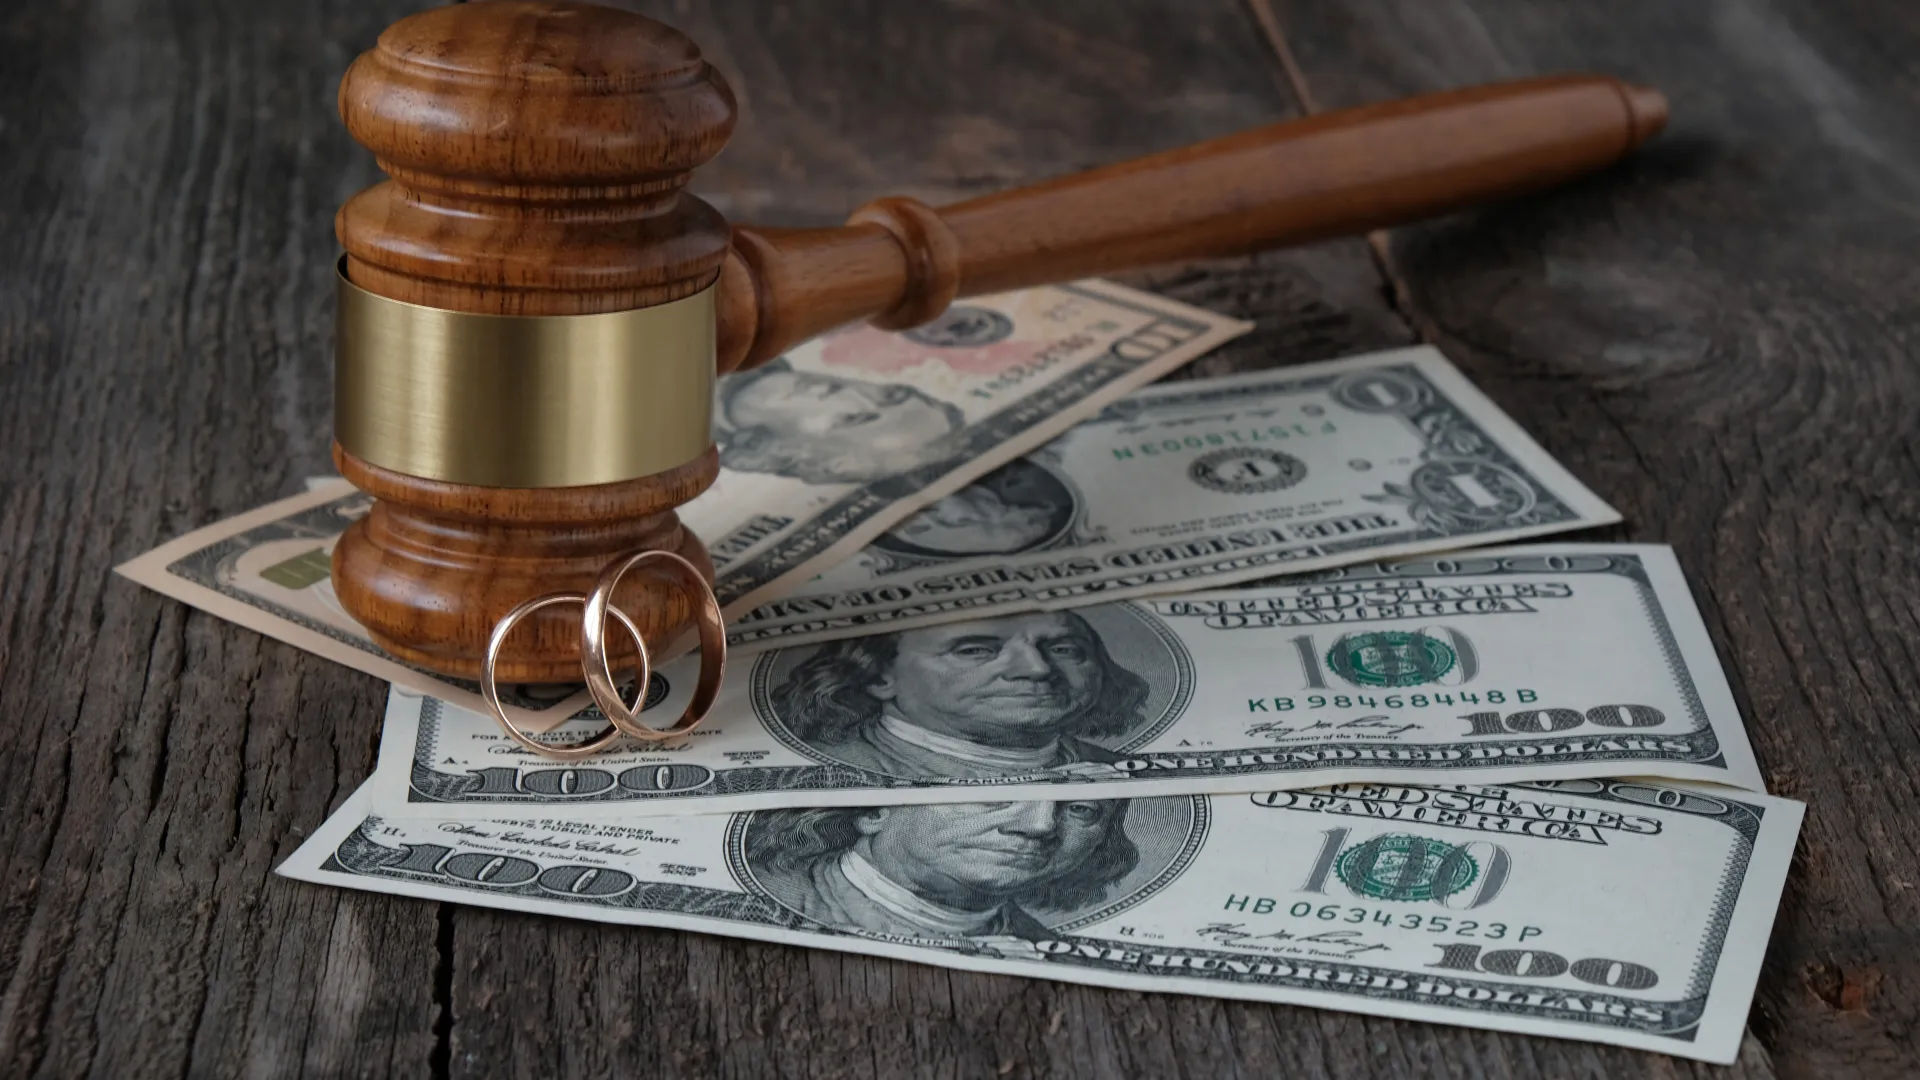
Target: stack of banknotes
x,y
1006,695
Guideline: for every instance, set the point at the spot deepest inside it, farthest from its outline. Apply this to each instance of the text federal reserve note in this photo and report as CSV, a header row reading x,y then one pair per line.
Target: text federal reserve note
x,y
1505,664
1627,912
821,451
1197,484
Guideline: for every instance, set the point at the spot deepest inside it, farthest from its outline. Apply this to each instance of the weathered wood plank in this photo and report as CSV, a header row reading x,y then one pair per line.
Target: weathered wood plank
x,y
169,176
840,102
1720,337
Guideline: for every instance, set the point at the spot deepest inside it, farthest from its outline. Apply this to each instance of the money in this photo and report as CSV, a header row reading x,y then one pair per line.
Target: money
x,y
821,451
1495,666
1625,912
1203,483
826,448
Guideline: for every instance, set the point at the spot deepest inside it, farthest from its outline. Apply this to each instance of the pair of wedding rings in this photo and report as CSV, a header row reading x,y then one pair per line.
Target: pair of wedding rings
x,y
598,669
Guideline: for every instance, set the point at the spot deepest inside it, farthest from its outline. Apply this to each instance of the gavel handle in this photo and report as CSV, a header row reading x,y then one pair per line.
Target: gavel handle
x,y
900,262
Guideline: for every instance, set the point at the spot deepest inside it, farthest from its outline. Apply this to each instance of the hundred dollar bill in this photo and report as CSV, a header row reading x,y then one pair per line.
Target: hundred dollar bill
x,y
1197,484
1626,912
1507,664
821,451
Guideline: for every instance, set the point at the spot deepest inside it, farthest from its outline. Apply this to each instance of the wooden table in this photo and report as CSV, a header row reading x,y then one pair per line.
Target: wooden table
x,y
1719,337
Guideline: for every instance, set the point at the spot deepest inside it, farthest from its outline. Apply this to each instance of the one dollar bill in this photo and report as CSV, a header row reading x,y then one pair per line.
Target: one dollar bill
x,y
1626,912
1197,484
1505,664
821,451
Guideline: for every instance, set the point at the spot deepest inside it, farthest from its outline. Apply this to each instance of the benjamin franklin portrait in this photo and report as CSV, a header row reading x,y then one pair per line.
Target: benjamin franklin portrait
x,y
826,429
992,697
951,870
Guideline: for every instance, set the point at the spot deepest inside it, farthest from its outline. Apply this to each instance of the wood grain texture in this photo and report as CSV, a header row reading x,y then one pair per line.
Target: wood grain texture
x,y
899,262
433,566
1720,336
166,176
1714,338
537,151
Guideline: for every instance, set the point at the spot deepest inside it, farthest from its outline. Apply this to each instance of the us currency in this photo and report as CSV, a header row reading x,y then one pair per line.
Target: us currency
x,y
821,451
1617,911
1495,666
1198,484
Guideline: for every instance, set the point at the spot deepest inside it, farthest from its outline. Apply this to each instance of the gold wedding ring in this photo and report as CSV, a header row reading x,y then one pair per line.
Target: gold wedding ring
x,y
490,689
594,663
593,649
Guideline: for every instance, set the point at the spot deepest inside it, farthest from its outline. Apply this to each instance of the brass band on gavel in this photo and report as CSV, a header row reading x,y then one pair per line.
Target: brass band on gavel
x,y
523,401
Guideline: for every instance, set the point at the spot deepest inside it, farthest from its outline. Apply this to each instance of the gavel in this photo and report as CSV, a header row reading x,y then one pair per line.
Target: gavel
x,y
534,310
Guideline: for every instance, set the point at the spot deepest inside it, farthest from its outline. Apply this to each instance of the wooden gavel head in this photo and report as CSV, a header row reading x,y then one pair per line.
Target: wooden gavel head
x,y
533,309
538,154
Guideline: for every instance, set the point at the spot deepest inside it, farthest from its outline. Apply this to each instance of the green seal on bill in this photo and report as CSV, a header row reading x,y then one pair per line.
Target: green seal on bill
x,y
1391,658
1401,866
